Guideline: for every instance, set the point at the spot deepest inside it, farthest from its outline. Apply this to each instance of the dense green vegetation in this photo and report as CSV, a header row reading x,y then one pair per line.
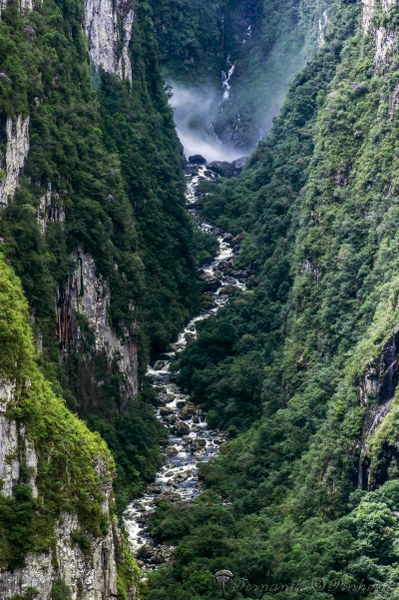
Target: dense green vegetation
x,y
107,155
190,38
282,367
269,41
67,451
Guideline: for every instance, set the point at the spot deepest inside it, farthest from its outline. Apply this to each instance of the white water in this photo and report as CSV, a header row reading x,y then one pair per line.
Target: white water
x,y
226,77
191,440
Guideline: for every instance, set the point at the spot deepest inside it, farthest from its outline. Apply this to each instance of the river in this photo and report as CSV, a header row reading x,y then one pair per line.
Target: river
x,y
190,440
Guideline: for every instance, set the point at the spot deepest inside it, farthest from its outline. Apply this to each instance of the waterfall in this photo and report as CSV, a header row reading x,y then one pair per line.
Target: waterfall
x,y
226,77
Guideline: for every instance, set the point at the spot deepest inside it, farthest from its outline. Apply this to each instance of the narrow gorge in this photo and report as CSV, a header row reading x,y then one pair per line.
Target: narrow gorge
x,y
199,299
190,440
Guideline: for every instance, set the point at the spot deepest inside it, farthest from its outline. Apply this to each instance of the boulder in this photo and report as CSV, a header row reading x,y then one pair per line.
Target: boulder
x,y
181,428
227,169
187,411
159,365
240,163
165,498
197,159
145,552
228,290
171,451
223,168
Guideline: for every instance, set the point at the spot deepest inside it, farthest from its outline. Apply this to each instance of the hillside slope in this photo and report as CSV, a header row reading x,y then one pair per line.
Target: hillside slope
x,y
93,229
303,501
92,210
59,534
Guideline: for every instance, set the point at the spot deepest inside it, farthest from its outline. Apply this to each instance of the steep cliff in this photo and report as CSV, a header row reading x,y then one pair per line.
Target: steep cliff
x,y
93,222
57,521
16,140
92,209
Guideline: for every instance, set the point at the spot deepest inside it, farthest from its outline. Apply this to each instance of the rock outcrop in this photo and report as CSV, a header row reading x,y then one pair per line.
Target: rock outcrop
x,y
385,39
16,139
88,575
323,24
91,577
109,31
51,209
88,294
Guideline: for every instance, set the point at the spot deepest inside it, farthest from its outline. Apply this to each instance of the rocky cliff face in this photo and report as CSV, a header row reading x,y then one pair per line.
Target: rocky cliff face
x,y
24,5
90,575
88,572
51,209
109,31
14,447
15,137
384,38
88,294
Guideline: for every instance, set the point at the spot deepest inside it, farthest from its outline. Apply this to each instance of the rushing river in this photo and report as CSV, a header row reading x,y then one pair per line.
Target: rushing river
x,y
190,439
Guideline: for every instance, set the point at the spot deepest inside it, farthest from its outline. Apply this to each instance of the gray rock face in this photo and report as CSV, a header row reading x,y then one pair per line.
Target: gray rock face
x,y
385,40
88,294
92,576
51,209
24,5
323,25
12,162
108,27
368,10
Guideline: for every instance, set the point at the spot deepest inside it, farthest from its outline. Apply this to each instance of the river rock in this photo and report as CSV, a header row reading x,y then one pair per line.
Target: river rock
x,y
159,365
228,290
187,411
223,168
162,553
191,170
154,488
226,169
182,477
160,400
181,428
145,551
166,410
171,451
167,498
197,159
211,285
171,419
198,444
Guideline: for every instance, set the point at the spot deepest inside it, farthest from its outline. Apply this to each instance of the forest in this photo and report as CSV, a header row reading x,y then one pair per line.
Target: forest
x,y
100,273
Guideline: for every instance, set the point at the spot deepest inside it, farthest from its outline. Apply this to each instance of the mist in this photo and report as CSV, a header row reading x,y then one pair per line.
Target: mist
x,y
195,109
